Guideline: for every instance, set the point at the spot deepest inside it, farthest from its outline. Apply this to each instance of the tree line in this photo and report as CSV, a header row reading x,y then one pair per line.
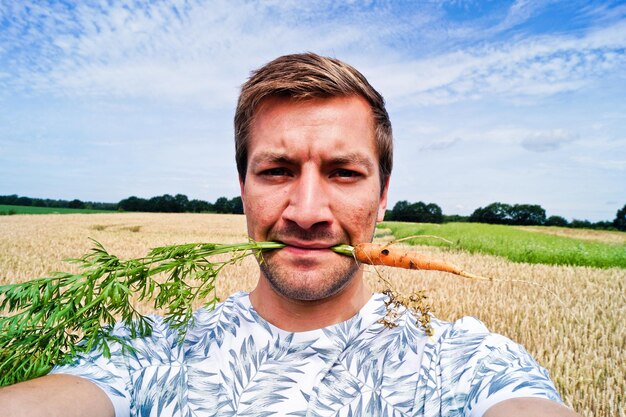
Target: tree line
x,y
166,203
403,211
15,200
179,203
498,213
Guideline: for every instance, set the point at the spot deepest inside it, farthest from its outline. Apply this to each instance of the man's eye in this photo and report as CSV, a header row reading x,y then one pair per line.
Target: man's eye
x,y
275,172
346,173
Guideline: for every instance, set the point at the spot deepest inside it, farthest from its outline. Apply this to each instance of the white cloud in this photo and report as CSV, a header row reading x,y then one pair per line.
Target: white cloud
x,y
202,51
198,52
539,67
547,140
536,140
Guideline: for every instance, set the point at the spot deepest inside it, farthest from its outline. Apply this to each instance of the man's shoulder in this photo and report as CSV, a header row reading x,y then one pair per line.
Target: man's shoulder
x,y
483,367
464,327
467,346
467,334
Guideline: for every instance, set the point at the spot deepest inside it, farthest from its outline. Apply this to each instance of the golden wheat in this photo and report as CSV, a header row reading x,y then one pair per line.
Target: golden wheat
x,y
569,318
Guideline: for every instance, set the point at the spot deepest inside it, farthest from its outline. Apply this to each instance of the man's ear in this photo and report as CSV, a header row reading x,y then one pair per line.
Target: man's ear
x,y
382,204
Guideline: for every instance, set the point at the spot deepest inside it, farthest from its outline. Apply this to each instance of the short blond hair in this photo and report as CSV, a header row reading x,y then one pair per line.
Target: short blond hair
x,y
305,76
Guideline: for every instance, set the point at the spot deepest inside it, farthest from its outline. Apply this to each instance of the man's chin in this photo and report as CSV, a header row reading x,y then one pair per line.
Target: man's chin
x,y
308,283
306,293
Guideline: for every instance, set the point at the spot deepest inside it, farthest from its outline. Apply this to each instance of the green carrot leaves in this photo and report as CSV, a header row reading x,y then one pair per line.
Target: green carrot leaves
x,y
47,321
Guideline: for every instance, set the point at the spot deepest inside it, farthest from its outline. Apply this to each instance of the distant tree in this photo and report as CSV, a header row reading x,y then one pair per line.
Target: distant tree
x,y
165,203
222,205
101,206
603,225
182,203
494,213
76,204
419,212
55,203
527,214
580,224
199,206
556,221
10,200
620,219
133,204
401,211
236,205
432,214
24,201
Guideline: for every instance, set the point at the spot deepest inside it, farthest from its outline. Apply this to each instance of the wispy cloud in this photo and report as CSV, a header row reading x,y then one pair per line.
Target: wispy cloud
x,y
178,50
440,145
536,67
547,141
201,51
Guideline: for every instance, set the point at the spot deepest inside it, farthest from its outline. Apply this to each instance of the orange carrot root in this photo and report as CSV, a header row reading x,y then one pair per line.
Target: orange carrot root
x,y
383,254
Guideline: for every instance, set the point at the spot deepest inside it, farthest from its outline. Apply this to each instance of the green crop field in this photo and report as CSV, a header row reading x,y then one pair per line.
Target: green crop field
x,y
531,245
7,210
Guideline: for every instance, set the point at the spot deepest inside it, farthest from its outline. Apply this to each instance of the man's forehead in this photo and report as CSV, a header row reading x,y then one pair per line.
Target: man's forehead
x,y
280,103
335,130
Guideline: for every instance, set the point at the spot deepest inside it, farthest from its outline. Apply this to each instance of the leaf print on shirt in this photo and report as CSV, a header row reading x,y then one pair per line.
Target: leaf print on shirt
x,y
159,389
223,320
371,372
356,368
260,376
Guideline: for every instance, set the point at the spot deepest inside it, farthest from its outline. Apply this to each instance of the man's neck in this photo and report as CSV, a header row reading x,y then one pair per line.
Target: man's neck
x,y
300,316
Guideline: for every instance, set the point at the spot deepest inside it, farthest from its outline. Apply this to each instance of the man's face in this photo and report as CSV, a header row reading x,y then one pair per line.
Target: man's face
x,y
312,182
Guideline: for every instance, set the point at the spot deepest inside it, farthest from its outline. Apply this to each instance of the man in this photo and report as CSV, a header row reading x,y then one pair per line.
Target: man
x,y
314,155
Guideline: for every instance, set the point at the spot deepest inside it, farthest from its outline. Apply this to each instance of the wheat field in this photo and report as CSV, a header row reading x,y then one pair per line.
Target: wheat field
x,y
571,319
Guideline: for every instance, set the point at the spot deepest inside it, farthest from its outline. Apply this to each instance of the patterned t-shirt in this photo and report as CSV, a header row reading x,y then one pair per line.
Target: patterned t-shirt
x,y
234,363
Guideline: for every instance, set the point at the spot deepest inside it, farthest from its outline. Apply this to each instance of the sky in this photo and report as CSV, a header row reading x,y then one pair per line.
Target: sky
x,y
520,102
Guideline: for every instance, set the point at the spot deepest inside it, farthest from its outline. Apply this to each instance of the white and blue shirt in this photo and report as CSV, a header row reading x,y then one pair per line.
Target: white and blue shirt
x,y
234,363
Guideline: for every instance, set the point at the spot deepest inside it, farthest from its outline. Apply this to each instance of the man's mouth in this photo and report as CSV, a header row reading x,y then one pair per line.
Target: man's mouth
x,y
300,246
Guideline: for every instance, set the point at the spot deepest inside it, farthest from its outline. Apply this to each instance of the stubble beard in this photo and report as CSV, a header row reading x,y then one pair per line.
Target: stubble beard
x,y
315,282
319,285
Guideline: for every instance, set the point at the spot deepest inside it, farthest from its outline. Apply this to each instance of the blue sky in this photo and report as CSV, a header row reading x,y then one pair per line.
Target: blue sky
x,y
510,101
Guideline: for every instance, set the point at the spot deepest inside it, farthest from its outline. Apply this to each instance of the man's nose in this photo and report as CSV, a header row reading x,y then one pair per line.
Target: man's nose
x,y
309,202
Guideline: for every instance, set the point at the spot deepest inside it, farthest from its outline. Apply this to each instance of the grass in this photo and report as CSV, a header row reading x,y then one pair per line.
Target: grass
x,y
9,210
578,335
515,244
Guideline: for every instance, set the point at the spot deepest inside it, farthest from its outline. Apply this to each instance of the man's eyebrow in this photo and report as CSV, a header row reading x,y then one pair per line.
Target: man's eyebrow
x,y
271,156
352,158
336,160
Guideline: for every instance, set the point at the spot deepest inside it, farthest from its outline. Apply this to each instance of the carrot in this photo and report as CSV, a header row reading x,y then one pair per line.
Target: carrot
x,y
383,254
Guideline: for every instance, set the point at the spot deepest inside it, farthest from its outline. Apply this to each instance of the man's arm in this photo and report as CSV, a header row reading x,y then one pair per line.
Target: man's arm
x,y
55,395
529,407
